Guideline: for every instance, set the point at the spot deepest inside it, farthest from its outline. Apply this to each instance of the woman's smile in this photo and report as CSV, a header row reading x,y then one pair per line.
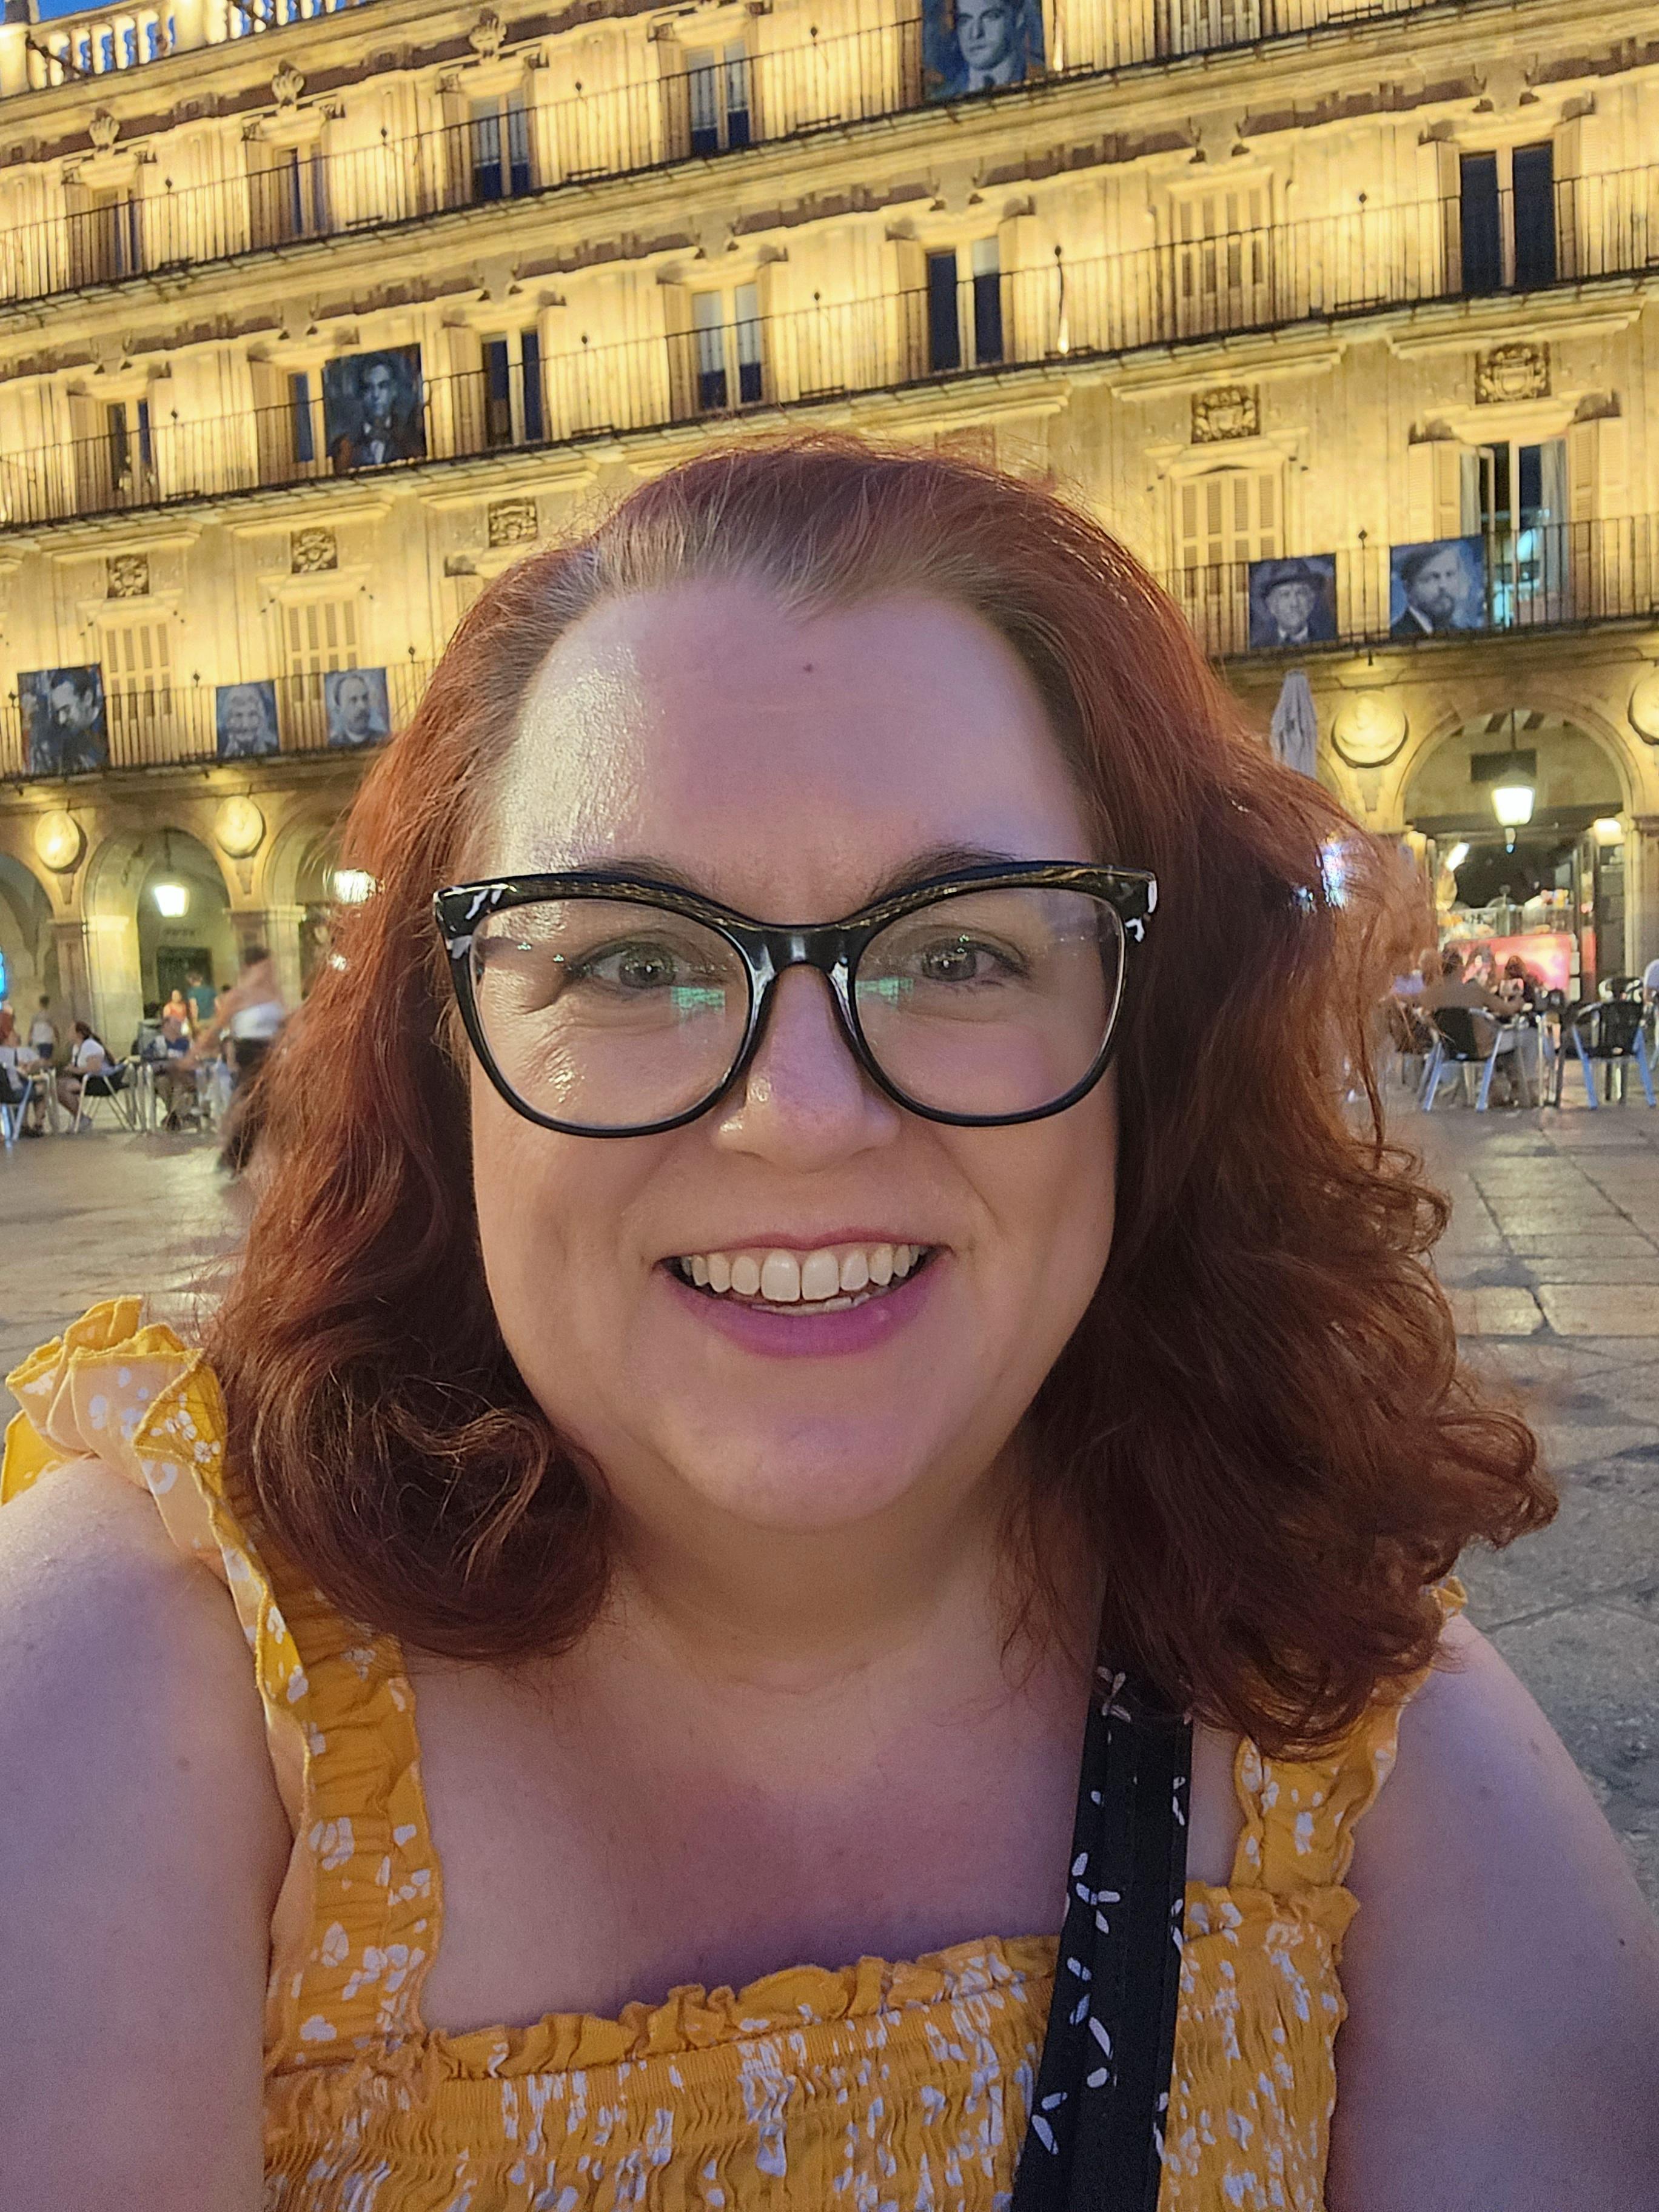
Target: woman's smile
x,y
764,1301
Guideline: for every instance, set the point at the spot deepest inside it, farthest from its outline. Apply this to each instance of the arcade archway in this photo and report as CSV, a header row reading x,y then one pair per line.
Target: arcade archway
x,y
1552,887
156,908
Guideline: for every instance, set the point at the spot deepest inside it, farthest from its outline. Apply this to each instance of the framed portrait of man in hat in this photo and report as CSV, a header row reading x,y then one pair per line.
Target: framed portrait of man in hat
x,y
1293,602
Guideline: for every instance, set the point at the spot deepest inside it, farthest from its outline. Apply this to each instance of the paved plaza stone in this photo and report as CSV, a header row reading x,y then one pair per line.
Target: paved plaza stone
x,y
1552,1264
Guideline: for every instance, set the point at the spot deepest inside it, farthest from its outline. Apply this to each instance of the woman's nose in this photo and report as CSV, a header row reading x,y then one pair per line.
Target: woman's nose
x,y
803,1096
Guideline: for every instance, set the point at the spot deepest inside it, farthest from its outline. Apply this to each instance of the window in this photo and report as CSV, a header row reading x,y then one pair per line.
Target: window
x,y
726,337
303,429
316,636
1223,521
1506,215
129,462
1221,272
138,661
961,317
287,194
1521,491
499,136
986,264
944,322
513,414
717,88
106,236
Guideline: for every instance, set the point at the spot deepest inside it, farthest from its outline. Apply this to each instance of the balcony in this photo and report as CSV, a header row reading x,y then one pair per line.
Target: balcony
x,y
72,48
1556,575
182,725
559,389
680,103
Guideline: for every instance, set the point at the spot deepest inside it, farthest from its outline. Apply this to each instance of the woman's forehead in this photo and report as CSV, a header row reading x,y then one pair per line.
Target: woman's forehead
x,y
709,721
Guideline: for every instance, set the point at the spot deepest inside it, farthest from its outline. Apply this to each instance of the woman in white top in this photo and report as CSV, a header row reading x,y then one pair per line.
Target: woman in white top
x,y
87,1058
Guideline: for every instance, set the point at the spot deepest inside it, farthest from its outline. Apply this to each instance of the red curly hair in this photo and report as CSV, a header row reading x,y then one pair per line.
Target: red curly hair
x,y
1260,1425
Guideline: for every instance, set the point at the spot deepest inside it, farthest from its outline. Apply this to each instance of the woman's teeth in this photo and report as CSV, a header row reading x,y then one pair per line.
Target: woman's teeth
x,y
830,1280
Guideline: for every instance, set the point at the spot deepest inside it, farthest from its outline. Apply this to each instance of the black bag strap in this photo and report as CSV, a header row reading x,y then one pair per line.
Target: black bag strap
x,y
1095,2139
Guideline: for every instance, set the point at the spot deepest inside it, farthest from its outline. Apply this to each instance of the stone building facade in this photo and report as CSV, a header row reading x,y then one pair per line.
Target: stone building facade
x,y
313,318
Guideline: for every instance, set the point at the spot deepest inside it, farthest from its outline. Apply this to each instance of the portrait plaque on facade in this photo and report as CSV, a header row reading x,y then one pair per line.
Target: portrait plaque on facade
x,y
1437,588
373,408
976,45
359,712
245,720
65,720
1292,602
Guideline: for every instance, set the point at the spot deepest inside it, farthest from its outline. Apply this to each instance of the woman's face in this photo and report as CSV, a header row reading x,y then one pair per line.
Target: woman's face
x,y
787,768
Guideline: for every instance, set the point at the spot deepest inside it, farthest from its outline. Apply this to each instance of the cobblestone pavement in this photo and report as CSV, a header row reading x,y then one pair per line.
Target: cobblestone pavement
x,y
1551,1262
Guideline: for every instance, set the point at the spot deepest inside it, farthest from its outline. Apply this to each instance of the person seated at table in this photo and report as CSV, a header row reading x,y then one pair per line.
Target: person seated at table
x,y
175,1067
1519,987
15,1062
92,1071
1495,1031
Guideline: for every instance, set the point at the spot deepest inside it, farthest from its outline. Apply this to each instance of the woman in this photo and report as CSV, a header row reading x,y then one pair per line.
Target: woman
x,y
177,1009
89,1065
250,1014
675,1467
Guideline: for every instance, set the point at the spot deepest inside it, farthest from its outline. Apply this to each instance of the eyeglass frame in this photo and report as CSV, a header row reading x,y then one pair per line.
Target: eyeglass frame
x,y
769,950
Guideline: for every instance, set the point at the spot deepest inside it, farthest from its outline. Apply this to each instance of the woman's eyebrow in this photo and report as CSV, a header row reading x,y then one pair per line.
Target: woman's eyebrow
x,y
919,868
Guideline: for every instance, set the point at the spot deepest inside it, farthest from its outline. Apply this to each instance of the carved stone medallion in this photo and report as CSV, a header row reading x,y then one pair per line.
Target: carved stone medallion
x,y
1369,729
126,575
238,827
1517,371
287,85
310,551
103,130
511,521
1644,708
1229,410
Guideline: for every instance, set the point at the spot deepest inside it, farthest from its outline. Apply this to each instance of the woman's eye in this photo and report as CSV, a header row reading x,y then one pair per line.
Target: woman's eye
x,y
631,967
963,960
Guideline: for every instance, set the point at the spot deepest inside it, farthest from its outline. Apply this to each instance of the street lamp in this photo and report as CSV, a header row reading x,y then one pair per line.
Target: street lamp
x,y
171,899
1513,795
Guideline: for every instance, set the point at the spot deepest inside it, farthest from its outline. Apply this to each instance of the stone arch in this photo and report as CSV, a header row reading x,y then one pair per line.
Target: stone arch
x,y
1577,770
25,937
131,945
1559,880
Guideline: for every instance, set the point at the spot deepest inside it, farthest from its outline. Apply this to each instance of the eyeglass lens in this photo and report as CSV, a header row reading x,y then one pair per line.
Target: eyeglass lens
x,y
608,1014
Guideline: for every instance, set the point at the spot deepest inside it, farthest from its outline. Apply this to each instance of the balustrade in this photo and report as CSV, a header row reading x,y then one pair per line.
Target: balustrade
x,y
676,103
1183,290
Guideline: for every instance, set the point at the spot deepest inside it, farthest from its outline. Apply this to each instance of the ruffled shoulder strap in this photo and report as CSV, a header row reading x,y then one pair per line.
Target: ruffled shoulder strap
x,y
1300,1814
357,1922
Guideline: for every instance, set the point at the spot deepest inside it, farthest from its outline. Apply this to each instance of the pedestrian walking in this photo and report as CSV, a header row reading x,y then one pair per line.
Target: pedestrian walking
x,y
43,1034
250,1017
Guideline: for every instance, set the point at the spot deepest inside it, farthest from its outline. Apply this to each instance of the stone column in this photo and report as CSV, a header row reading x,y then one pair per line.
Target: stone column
x,y
1641,893
99,978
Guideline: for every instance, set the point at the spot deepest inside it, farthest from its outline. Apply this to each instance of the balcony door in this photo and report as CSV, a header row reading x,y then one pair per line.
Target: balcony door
x,y
138,693
1507,220
1223,521
1523,493
1218,263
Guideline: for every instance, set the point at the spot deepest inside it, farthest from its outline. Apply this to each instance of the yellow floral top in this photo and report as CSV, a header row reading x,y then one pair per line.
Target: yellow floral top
x,y
883,2087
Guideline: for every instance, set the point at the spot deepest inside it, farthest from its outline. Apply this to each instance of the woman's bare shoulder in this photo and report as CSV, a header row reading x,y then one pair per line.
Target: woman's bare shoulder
x,y
1502,1974
144,1845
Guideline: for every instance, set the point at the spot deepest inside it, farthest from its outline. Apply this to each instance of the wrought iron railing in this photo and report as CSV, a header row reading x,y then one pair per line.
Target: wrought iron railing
x,y
73,48
132,453
679,102
1548,576
1543,575
168,725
